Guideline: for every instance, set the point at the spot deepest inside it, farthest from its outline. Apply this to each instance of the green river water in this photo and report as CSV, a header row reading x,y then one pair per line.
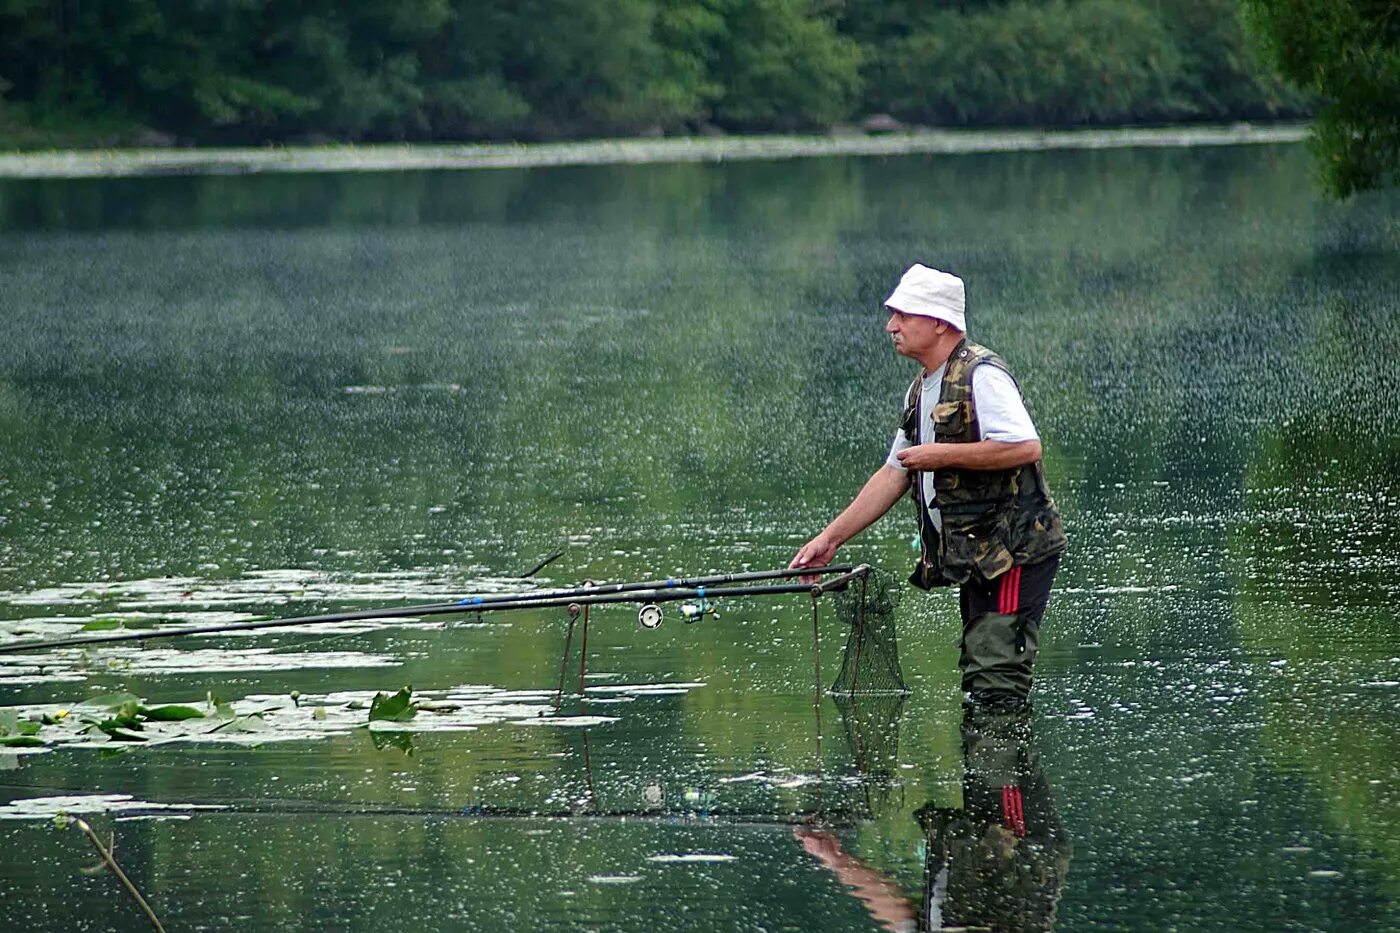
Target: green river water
x,y
228,397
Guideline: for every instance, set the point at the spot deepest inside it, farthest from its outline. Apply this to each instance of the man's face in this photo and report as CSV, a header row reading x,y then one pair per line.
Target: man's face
x,y
913,334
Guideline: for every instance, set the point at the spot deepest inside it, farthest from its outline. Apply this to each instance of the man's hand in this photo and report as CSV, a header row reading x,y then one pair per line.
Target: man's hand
x,y
818,552
924,457
881,491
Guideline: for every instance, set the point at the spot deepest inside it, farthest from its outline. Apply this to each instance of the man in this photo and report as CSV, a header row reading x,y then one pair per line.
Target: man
x,y
967,450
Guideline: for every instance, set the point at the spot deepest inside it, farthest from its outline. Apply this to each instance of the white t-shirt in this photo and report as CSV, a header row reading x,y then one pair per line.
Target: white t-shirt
x,y
1001,416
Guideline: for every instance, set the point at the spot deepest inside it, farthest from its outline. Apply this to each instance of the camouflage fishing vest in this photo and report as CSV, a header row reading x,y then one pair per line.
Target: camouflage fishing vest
x,y
993,520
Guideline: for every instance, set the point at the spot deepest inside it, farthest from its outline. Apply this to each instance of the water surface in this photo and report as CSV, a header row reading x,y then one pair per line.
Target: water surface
x,y
226,397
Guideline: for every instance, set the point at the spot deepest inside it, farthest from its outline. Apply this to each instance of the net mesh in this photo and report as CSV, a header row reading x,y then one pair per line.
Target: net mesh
x,y
871,726
870,663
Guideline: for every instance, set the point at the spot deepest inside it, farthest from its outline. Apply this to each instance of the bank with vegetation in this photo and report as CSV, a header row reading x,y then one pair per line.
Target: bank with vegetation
x,y
153,72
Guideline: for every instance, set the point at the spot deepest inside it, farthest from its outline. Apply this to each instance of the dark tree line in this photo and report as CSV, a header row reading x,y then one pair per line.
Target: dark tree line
x,y
250,71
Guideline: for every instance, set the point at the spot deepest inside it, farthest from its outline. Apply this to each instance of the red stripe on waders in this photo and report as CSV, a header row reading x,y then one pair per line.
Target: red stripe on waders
x,y
1013,814
1009,598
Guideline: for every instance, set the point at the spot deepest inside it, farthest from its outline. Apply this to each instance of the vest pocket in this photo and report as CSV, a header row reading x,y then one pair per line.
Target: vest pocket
x,y
976,537
950,420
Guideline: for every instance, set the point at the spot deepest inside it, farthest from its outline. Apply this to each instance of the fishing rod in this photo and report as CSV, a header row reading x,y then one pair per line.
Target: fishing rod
x,y
652,591
718,579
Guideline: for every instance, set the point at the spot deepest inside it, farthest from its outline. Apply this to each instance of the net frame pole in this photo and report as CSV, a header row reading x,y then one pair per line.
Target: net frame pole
x,y
564,660
583,654
840,582
817,676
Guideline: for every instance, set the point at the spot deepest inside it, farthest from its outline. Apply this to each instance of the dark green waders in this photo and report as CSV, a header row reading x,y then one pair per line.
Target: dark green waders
x,y
1001,632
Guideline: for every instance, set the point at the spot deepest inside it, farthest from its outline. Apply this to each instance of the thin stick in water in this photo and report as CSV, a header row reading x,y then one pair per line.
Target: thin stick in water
x,y
541,565
106,854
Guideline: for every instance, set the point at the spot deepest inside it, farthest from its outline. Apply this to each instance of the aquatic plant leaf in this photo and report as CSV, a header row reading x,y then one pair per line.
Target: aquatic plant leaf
x,y
275,718
12,725
396,708
122,733
103,625
170,713
21,741
253,722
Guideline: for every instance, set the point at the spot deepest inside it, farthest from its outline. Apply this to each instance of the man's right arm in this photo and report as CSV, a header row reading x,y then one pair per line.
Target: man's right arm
x,y
880,492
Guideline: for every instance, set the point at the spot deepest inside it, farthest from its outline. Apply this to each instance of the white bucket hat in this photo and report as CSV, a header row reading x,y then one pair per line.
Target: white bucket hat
x,y
930,293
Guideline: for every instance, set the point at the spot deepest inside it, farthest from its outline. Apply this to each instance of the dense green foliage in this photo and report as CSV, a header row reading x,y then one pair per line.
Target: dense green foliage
x,y
243,71
1347,52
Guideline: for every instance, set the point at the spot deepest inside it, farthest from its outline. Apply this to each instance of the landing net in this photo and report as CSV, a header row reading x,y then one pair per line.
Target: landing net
x,y
870,663
871,726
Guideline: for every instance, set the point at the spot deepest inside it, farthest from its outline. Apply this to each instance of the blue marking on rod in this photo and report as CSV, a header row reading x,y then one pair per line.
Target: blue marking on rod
x,y
671,581
471,601
700,592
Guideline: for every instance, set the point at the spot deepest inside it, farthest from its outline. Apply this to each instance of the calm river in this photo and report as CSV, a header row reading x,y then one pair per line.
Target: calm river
x,y
223,398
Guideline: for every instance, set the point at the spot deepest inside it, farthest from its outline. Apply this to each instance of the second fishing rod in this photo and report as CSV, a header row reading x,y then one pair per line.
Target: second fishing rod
x,y
651,591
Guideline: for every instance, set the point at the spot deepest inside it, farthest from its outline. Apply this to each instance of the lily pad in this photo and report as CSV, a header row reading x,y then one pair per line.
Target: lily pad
x,y
396,708
253,722
170,713
11,725
122,724
103,625
120,732
21,741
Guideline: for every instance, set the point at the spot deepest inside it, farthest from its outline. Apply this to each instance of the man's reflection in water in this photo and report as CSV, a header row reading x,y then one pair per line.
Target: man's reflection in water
x,y
997,863
1001,860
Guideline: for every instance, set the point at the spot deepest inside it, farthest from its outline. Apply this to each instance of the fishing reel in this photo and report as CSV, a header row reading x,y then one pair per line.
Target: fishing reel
x,y
692,612
649,616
